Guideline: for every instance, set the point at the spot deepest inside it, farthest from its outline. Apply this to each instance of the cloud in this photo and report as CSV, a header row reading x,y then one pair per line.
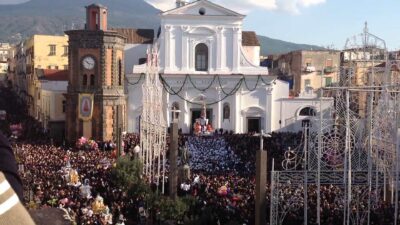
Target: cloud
x,y
13,2
246,6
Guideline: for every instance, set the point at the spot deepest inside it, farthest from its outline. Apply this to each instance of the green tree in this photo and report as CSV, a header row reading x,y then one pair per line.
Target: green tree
x,y
128,176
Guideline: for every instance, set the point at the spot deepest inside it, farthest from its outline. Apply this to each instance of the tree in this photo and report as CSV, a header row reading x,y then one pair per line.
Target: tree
x,y
128,176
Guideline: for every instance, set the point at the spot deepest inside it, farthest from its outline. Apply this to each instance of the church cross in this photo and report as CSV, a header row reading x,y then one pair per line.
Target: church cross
x,y
174,111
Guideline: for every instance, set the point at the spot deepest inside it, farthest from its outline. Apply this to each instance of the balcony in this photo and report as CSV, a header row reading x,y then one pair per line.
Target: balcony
x,y
309,69
329,69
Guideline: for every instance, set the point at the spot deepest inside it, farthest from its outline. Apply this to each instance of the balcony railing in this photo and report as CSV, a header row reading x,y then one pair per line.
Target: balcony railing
x,y
330,69
309,69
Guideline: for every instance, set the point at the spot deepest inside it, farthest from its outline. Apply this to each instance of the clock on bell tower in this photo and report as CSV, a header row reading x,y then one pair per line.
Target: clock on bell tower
x,y
96,101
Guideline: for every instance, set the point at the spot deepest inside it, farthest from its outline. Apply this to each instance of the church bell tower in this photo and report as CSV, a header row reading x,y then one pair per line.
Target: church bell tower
x,y
96,101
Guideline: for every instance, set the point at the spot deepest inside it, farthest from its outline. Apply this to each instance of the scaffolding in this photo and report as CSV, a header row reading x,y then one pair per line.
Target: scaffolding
x,y
349,153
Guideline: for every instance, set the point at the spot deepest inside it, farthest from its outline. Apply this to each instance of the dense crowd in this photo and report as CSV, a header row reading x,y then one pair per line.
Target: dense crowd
x,y
48,184
222,178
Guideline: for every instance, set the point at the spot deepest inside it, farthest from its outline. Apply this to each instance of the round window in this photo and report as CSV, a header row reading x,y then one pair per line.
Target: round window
x,y
202,11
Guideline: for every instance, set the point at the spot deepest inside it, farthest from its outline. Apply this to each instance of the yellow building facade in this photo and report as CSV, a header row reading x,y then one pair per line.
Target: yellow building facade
x,y
43,52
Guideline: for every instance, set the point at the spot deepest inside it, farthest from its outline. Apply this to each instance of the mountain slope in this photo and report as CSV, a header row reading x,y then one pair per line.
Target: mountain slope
x,y
270,46
55,16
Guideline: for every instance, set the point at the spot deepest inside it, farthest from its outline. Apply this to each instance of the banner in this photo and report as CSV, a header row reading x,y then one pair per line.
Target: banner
x,y
85,106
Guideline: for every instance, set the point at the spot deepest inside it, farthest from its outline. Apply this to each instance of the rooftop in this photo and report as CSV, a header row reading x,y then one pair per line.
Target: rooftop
x,y
249,38
52,75
136,36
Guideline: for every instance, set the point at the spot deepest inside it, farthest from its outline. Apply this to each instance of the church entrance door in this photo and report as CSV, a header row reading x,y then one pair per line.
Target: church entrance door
x,y
196,113
253,124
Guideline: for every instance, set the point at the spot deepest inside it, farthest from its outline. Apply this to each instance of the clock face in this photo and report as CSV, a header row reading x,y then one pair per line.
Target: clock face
x,y
88,62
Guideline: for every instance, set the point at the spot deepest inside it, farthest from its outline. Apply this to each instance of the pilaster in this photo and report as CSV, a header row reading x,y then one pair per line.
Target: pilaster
x,y
236,49
268,111
167,30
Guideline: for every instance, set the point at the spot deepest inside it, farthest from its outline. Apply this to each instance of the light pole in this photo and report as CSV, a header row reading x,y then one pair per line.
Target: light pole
x,y
173,155
261,181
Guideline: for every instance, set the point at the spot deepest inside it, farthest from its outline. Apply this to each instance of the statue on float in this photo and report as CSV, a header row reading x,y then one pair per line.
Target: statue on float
x,y
85,190
74,178
201,126
98,205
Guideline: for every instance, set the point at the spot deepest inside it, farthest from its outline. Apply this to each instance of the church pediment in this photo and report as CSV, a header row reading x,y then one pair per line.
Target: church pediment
x,y
202,8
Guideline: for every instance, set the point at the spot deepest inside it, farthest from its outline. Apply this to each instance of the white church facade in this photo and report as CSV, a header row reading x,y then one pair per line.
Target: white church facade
x,y
206,59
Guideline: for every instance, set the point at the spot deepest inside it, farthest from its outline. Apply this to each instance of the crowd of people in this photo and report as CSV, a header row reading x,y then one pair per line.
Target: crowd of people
x,y
212,155
49,183
222,178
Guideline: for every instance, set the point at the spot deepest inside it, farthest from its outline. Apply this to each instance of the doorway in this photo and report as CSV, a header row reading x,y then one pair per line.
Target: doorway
x,y
254,124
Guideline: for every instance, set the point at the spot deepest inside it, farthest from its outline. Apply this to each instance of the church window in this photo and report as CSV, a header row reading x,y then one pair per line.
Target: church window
x,y
201,57
92,80
226,111
202,11
119,72
175,106
308,111
84,81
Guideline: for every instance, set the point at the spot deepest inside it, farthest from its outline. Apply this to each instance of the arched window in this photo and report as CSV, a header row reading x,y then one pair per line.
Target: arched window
x,y
84,80
308,111
175,106
92,80
119,72
201,57
226,111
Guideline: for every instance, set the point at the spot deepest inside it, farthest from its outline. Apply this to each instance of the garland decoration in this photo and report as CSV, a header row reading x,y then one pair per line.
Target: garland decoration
x,y
227,94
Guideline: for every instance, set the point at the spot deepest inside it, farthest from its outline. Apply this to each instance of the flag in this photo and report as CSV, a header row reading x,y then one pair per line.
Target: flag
x,y
85,106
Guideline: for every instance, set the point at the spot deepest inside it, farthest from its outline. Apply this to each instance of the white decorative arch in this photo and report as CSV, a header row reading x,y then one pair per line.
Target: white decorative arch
x,y
202,98
297,114
253,111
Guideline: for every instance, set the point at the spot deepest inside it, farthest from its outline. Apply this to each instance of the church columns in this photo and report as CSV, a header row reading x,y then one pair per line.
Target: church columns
x,y
236,49
167,30
210,58
268,110
191,54
219,48
185,112
237,126
219,110
169,105
185,52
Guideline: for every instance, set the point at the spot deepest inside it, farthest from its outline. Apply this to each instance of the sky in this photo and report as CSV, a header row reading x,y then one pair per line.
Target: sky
x,y
325,23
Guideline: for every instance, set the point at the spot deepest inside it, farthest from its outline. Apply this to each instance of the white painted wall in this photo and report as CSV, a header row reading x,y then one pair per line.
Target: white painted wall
x,y
257,103
252,53
133,52
290,108
51,97
181,31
